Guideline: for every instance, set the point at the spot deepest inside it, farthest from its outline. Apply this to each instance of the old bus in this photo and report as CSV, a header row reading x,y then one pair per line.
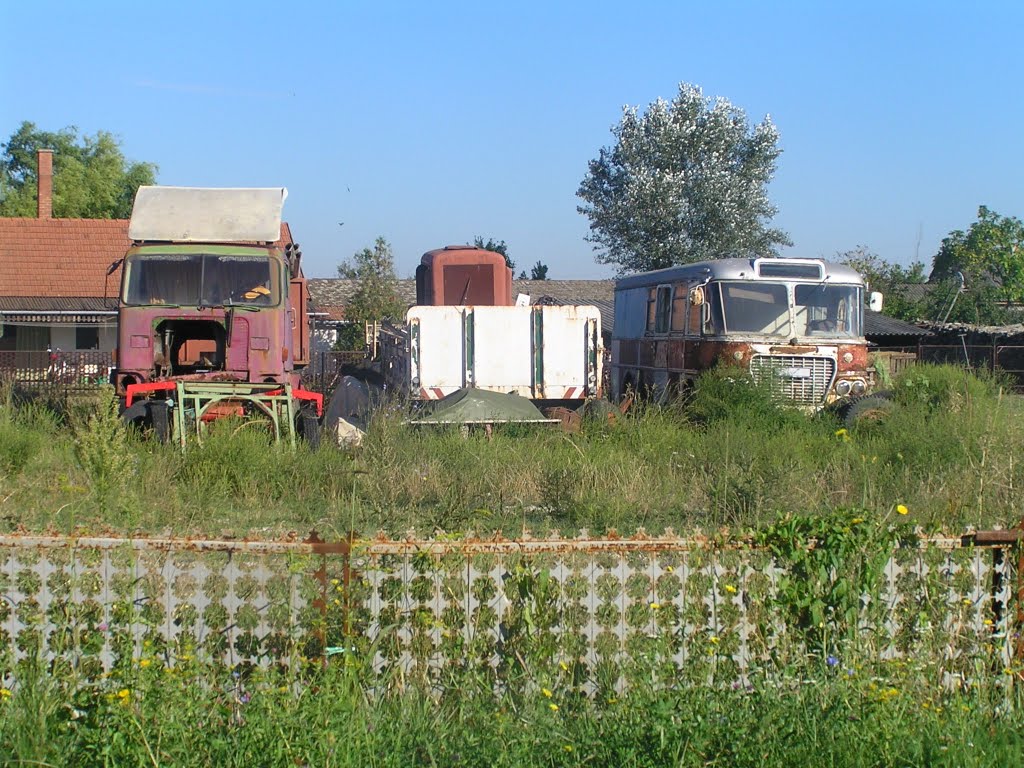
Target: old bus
x,y
796,323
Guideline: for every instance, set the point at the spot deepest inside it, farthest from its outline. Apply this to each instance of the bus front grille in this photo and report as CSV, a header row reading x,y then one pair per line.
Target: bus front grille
x,y
800,379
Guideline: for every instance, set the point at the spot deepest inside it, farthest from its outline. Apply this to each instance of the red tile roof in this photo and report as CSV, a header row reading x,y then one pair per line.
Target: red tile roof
x,y
65,257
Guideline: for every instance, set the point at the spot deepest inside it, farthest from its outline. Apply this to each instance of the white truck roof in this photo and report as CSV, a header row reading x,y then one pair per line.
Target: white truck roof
x,y
195,214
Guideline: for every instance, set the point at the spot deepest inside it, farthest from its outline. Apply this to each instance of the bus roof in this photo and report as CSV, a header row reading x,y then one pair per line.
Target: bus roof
x,y
806,270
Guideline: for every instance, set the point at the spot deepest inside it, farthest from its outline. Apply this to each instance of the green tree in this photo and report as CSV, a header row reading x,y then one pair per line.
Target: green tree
x,y
496,247
376,295
91,177
685,181
892,280
539,271
989,257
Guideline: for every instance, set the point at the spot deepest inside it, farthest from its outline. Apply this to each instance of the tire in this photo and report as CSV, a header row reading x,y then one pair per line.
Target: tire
x,y
145,415
309,428
136,416
867,409
160,418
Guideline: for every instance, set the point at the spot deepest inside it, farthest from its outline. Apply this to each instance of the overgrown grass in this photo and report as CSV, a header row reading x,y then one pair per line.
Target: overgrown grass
x,y
186,715
725,457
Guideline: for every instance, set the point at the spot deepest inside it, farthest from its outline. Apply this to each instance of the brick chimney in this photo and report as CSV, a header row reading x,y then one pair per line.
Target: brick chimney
x,y
45,204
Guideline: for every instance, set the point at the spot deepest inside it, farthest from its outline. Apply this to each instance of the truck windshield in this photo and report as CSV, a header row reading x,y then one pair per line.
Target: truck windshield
x,y
819,309
200,279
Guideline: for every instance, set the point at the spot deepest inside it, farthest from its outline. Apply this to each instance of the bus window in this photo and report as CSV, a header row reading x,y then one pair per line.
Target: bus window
x,y
679,304
663,309
693,326
652,301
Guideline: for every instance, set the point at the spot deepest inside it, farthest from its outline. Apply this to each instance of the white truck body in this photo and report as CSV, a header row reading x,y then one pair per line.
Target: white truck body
x,y
537,352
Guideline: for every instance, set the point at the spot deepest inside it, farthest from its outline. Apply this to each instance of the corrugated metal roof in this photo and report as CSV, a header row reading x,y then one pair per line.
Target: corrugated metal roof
x,y
877,324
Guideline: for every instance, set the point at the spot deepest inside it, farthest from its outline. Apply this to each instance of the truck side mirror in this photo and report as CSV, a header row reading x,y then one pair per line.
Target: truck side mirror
x,y
697,296
875,301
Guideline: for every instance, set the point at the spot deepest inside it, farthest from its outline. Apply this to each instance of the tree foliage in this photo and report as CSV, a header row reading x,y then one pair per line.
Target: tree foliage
x,y
91,177
989,257
376,295
892,280
539,271
496,247
685,181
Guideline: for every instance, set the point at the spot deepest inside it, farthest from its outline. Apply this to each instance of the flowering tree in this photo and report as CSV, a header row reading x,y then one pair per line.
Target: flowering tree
x,y
685,181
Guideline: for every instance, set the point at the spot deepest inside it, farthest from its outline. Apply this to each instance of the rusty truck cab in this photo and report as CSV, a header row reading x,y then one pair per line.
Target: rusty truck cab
x,y
212,291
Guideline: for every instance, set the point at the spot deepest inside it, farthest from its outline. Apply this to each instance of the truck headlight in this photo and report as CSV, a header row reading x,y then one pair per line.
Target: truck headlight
x,y
843,388
859,387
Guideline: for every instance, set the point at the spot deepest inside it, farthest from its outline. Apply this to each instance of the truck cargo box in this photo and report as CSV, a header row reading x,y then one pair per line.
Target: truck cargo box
x,y
544,353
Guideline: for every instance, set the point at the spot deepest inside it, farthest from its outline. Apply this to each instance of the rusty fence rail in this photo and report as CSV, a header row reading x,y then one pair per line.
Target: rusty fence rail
x,y
427,605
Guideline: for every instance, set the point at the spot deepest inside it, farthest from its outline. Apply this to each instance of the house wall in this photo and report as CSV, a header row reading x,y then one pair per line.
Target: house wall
x,y
63,336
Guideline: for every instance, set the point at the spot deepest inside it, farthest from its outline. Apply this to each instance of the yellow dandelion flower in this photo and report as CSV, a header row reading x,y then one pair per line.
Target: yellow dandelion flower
x,y
669,569
987,622
335,582
901,509
857,521
1007,671
564,667
567,747
841,432
967,601
5,693
124,694
730,589
713,640
553,707
144,663
655,606
546,692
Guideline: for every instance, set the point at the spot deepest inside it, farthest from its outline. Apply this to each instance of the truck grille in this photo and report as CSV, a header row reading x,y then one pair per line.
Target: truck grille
x,y
800,379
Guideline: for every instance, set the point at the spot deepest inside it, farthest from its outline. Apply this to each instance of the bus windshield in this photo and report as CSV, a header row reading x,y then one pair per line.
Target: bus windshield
x,y
761,308
200,280
829,310
788,310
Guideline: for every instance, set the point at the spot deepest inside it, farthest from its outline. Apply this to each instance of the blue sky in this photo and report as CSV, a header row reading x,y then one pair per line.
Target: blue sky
x,y
431,123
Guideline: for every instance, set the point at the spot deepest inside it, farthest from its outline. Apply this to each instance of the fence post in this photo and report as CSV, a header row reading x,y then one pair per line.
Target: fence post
x,y
322,549
1001,542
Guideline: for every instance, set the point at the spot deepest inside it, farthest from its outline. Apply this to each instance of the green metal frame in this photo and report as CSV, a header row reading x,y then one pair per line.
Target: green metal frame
x,y
274,401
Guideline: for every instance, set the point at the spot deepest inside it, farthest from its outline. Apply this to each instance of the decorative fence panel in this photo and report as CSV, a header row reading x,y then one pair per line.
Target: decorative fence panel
x,y
704,610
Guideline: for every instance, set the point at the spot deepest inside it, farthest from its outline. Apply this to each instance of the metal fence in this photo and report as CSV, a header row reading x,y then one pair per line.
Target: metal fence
x,y
326,366
709,609
1007,358
83,369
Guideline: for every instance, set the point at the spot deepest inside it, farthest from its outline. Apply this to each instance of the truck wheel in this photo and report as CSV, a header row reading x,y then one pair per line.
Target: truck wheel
x,y
309,428
159,417
867,409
